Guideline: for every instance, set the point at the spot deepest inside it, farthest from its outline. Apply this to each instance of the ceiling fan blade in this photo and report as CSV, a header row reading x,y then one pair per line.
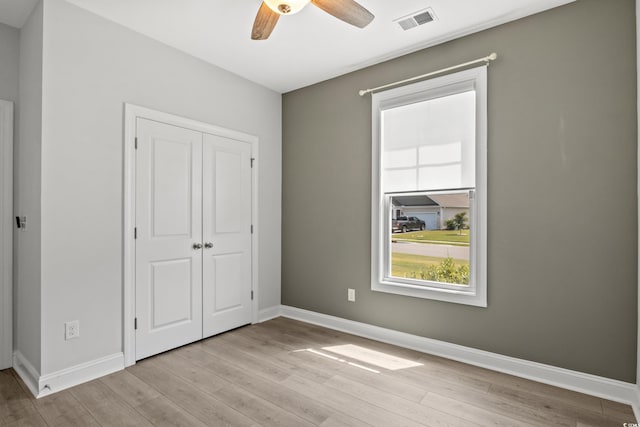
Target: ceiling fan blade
x,y
266,20
346,10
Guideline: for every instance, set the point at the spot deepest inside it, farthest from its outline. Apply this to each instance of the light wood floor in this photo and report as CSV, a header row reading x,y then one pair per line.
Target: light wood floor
x,y
289,373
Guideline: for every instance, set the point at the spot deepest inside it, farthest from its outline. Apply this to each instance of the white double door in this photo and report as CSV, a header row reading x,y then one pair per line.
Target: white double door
x,y
193,236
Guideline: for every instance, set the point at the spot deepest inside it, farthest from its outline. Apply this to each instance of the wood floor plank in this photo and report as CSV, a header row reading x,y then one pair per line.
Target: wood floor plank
x,y
414,411
106,406
134,391
160,411
342,420
277,354
253,406
16,406
299,405
259,409
343,402
388,383
470,412
224,348
63,409
618,411
202,406
193,373
551,406
507,408
323,336
447,367
148,402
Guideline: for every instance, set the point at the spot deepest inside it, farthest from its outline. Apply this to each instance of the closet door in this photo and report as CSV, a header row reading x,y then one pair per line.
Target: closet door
x,y
169,235
226,228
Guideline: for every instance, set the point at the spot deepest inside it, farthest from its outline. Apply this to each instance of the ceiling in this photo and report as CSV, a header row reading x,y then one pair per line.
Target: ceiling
x,y
305,48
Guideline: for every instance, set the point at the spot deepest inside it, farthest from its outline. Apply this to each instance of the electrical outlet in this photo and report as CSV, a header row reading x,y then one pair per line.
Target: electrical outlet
x,y
72,329
351,295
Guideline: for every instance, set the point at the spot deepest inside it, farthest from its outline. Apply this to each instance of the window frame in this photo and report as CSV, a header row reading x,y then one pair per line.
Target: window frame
x,y
476,293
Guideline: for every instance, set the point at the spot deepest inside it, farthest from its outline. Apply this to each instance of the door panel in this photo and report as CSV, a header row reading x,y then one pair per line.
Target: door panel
x,y
228,185
227,225
170,287
171,210
227,269
168,223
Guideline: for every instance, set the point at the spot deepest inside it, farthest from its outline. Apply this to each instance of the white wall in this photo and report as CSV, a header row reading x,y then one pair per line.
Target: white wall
x,y
27,295
9,52
91,67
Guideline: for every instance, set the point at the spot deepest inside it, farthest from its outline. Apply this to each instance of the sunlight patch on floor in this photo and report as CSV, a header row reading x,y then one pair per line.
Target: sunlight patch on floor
x,y
372,357
337,359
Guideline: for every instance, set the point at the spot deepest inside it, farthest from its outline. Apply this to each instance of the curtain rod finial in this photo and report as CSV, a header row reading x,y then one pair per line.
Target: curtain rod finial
x,y
493,56
363,92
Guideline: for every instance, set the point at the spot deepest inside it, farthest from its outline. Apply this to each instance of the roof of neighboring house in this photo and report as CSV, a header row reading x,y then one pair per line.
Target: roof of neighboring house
x,y
456,200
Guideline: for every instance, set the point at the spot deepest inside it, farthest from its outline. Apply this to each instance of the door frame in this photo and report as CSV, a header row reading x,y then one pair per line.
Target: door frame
x,y
6,233
131,113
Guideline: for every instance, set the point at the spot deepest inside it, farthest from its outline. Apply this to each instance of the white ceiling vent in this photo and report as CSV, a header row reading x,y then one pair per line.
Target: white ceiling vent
x,y
415,19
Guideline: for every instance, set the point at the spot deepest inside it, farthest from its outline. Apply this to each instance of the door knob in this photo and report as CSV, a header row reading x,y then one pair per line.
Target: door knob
x,y
197,246
208,245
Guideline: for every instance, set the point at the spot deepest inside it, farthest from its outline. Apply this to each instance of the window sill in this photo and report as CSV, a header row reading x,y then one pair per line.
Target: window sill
x,y
477,299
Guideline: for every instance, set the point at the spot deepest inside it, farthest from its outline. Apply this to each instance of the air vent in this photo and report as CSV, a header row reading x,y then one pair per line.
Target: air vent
x,y
416,19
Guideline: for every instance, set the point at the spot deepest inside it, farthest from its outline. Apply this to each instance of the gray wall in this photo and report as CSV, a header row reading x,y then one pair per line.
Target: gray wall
x,y
562,207
27,187
91,66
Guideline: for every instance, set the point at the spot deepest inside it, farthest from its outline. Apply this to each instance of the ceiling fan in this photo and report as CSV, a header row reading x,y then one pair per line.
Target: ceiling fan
x,y
348,11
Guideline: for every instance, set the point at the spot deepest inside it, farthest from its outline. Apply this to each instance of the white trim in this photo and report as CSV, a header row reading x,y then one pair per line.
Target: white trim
x,y
635,405
26,371
269,313
255,148
69,377
476,294
605,388
6,234
44,385
131,113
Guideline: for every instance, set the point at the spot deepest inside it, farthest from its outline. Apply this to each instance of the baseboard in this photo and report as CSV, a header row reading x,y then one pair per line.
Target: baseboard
x,y
44,385
605,388
26,371
636,404
269,313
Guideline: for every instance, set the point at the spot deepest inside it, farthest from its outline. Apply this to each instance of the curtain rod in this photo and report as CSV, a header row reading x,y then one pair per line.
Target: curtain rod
x,y
486,59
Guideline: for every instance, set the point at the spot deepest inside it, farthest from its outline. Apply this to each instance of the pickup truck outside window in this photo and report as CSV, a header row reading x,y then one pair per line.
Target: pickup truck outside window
x,y
407,223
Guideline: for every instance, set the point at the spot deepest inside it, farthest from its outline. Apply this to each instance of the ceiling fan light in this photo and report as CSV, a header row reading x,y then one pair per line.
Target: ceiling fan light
x,y
286,7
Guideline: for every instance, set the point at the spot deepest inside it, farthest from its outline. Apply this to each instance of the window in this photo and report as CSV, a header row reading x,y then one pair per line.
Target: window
x,y
429,189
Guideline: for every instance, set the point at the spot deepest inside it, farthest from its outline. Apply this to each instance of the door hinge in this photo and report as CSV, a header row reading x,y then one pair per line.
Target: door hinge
x,y
251,295
135,232
135,323
136,143
251,228
253,159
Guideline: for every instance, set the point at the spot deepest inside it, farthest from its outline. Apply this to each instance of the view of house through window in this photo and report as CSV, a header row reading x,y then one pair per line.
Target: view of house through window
x,y
430,235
